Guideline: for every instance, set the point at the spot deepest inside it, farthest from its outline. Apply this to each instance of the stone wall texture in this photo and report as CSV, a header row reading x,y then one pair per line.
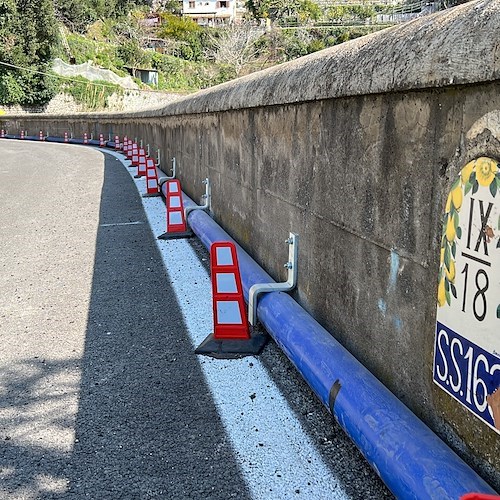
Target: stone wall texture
x,y
354,148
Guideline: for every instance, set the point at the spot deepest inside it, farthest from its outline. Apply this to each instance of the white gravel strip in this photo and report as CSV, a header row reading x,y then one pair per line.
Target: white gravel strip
x,y
277,458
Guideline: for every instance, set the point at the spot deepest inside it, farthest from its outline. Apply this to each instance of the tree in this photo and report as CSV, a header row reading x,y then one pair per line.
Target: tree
x,y
78,15
172,6
234,46
301,10
189,35
351,13
28,39
75,14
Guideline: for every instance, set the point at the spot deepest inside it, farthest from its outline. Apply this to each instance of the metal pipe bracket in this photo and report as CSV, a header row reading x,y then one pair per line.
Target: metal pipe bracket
x,y
206,197
290,283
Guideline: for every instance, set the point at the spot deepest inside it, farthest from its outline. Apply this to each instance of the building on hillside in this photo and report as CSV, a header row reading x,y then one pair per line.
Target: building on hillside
x,y
145,75
210,12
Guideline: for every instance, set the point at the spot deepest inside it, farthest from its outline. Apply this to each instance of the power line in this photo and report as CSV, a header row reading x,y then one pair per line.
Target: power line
x,y
70,79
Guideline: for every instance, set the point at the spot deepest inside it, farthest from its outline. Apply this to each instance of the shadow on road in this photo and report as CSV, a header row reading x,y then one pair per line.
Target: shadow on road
x,y
146,425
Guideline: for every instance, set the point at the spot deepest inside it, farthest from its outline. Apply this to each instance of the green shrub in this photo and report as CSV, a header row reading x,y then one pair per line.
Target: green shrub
x,y
92,95
11,92
191,36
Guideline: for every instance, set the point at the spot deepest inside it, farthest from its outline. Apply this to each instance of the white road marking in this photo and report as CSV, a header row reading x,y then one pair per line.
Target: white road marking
x,y
276,457
121,224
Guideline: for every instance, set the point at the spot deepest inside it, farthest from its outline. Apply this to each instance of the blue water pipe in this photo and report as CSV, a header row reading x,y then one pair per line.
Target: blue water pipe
x,y
411,460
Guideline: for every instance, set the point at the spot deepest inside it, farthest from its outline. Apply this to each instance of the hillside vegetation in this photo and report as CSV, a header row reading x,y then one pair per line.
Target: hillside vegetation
x,y
123,34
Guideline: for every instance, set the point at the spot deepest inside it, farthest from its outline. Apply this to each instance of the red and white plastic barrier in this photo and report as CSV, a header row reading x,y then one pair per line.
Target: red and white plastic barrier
x,y
66,138
479,496
102,143
130,149
40,136
135,155
21,136
141,163
232,337
152,188
176,220
117,143
85,138
230,317
2,134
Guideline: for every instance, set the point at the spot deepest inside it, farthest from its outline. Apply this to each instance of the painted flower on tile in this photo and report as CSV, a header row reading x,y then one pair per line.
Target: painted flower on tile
x,y
480,173
486,169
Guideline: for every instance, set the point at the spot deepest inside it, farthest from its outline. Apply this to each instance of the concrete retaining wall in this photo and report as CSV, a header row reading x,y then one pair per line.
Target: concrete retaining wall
x,y
130,100
356,149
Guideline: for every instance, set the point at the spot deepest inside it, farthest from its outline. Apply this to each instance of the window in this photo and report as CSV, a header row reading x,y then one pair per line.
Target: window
x,y
223,4
191,5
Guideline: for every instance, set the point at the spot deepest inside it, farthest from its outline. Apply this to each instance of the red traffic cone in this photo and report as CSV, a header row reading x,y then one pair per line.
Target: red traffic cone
x,y
151,179
176,221
231,337
117,143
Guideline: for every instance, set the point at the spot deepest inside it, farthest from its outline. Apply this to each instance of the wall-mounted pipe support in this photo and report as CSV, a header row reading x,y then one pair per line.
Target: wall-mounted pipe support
x,y
158,159
174,167
290,284
164,178
206,197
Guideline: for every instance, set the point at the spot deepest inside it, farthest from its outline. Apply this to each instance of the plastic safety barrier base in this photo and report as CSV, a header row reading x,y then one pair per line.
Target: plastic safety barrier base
x,y
232,349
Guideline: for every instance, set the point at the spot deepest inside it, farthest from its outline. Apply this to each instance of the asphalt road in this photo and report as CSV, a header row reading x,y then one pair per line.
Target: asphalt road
x,y
101,394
